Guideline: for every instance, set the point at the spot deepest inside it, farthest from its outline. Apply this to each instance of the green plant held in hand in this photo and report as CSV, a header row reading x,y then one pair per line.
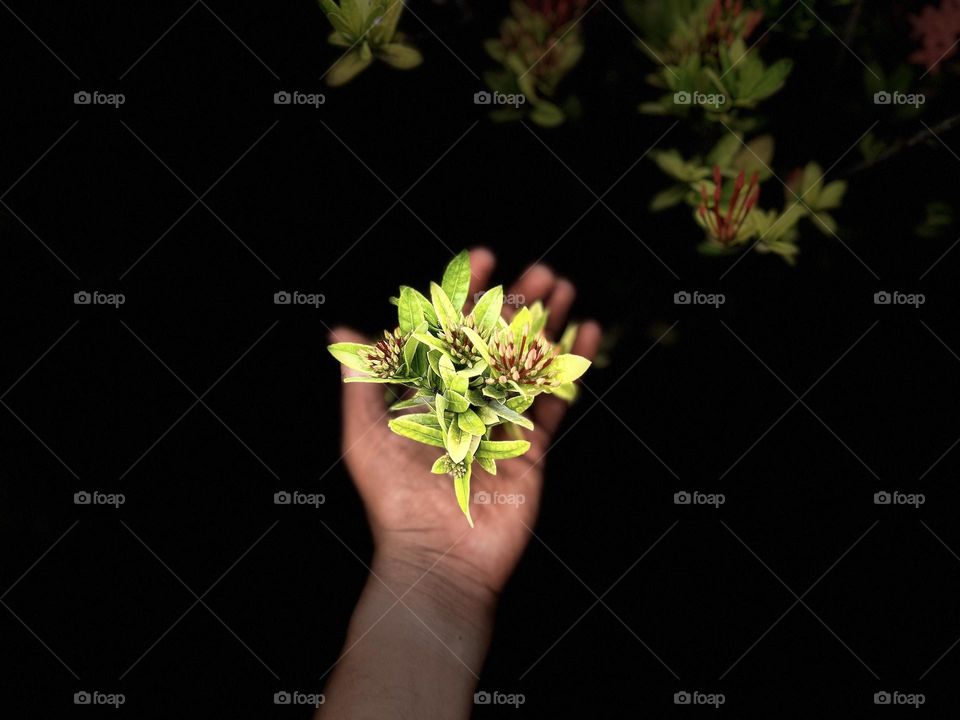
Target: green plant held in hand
x,y
369,29
465,374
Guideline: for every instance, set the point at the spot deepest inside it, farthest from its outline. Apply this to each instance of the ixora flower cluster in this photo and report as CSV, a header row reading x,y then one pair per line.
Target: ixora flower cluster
x,y
465,374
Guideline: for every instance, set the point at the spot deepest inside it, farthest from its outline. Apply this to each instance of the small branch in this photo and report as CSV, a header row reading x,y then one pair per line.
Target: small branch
x,y
903,145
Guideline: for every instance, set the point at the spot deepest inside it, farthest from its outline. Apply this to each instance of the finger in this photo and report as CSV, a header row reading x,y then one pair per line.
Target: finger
x,y
482,262
558,305
363,403
535,284
548,411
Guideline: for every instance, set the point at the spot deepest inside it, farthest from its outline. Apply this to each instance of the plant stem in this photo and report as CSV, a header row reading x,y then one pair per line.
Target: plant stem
x,y
902,145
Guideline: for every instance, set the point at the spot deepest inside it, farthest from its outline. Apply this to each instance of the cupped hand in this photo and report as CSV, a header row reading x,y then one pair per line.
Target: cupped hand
x,y
413,513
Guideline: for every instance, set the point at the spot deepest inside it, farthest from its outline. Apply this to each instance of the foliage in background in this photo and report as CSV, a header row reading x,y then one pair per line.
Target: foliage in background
x,y
468,374
539,43
369,29
709,75
937,29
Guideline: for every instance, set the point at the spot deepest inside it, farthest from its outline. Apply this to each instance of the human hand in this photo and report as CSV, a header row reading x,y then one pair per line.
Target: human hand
x,y
416,523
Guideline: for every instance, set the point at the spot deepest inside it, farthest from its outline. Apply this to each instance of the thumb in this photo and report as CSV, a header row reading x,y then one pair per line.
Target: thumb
x,y
363,403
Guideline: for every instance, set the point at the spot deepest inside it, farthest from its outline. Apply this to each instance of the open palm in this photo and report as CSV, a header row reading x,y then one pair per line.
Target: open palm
x,y
413,511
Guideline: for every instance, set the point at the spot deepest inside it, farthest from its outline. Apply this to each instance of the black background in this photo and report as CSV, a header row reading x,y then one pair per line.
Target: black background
x,y
290,213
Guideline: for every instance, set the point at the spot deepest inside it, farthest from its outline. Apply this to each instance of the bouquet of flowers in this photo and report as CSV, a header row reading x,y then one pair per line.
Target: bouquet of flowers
x,y
465,375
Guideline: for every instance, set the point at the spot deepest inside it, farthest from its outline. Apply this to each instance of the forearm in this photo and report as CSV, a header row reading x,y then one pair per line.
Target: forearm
x,y
416,657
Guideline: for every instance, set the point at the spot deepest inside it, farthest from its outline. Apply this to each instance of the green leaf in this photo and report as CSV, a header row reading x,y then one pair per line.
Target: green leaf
x,y
425,419
346,353
521,321
347,68
538,318
441,403
488,308
412,402
569,367
456,280
519,404
546,114
508,414
566,391
491,391
461,487
416,431
433,358
488,416
401,57
365,379
458,442
471,423
673,195
769,83
488,464
447,314
431,342
409,312
425,304
478,344
442,466
456,402
832,195
502,449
